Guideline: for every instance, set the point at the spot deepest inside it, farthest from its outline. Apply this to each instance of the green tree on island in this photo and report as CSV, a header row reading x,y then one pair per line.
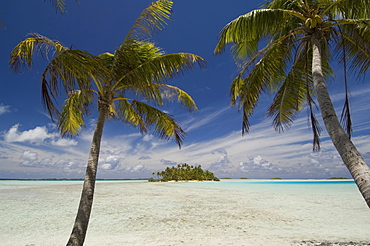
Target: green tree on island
x,y
184,172
300,38
137,68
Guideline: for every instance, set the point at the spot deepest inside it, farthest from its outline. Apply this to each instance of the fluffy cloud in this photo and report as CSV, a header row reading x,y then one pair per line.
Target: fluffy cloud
x,y
110,163
258,165
67,164
136,169
37,135
223,162
29,159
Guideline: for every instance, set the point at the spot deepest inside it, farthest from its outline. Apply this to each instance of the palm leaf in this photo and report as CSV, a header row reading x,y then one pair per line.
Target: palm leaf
x,y
60,5
152,18
170,92
356,45
158,70
22,55
144,116
70,69
289,99
249,28
132,54
269,70
73,111
356,9
315,126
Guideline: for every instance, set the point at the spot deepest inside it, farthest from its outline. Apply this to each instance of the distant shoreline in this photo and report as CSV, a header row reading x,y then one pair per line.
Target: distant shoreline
x,y
224,179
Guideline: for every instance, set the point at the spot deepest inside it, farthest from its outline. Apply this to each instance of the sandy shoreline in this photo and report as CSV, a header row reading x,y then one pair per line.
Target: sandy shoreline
x,y
141,213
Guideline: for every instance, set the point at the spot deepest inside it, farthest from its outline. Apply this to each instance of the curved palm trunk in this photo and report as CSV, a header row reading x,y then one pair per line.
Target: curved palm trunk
x,y
346,149
78,235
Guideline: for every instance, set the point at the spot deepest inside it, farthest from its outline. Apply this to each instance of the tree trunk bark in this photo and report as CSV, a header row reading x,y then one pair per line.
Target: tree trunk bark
x,y
78,234
346,149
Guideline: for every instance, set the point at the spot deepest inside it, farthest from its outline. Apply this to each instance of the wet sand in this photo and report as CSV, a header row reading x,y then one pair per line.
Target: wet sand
x,y
142,213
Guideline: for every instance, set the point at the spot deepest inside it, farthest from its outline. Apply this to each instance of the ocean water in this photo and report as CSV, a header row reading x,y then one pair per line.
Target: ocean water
x,y
230,212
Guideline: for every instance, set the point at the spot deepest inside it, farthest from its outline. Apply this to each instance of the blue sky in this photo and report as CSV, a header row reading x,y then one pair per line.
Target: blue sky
x,y
30,146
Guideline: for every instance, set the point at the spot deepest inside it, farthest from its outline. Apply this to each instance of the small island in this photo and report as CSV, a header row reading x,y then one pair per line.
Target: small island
x,y
184,172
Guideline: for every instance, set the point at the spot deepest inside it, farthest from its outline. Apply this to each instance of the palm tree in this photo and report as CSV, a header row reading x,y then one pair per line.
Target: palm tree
x,y
300,38
137,68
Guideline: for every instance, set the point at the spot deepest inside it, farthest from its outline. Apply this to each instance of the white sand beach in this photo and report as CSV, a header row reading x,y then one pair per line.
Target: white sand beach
x,y
41,213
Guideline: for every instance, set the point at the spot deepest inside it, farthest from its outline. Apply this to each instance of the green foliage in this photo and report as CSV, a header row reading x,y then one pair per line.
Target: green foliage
x,y
184,172
138,68
277,58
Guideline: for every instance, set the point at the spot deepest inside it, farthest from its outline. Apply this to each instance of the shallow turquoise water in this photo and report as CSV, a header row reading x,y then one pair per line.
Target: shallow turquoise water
x,y
230,212
289,186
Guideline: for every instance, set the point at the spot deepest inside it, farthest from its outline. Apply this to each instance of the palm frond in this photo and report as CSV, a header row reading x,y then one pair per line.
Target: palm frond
x,y
73,112
171,92
71,69
315,126
284,4
128,114
132,54
60,5
250,28
346,115
289,99
22,55
265,74
158,70
144,116
152,18
356,9
356,44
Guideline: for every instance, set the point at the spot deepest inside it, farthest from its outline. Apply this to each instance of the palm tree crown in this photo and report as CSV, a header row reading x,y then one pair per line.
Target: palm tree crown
x,y
283,66
110,78
300,38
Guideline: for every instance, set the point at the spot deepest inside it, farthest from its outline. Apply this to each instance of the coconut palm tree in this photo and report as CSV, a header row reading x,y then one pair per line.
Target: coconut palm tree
x,y
137,70
300,38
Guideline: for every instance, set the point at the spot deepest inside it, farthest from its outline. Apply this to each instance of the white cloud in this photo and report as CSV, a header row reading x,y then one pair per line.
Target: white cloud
x,y
148,137
136,169
67,164
29,159
109,163
258,165
29,156
62,142
4,109
196,123
35,136
223,162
